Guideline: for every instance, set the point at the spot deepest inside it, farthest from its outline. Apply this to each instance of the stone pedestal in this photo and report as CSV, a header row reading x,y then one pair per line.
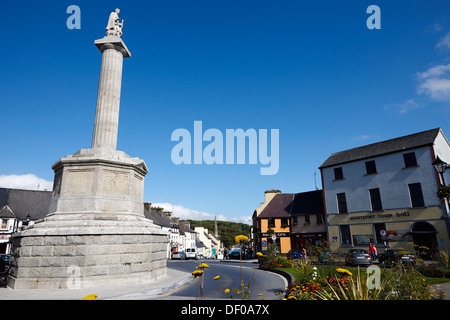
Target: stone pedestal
x,y
95,233
88,250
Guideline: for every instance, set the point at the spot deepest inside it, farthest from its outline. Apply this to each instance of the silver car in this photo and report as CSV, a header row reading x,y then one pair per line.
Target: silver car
x,y
358,257
178,255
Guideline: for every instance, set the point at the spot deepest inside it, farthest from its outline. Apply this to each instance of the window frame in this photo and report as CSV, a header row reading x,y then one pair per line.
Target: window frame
x,y
410,159
338,173
371,167
347,232
375,196
342,203
416,197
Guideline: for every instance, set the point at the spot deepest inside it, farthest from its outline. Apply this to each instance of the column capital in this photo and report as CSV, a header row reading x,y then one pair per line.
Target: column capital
x,y
113,43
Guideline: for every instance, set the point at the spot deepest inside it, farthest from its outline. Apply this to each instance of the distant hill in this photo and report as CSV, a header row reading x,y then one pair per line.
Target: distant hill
x,y
227,230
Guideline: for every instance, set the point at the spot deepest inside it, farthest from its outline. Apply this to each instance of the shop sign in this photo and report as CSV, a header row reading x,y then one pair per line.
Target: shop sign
x,y
277,234
381,216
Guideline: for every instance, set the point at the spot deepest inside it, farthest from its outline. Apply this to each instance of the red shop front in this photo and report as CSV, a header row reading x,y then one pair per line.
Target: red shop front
x,y
308,241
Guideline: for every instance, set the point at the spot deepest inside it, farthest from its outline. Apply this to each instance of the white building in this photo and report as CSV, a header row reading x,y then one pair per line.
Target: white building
x,y
385,193
190,236
20,208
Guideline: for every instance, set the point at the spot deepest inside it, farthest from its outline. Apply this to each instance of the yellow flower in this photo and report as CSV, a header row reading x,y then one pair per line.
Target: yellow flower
x,y
90,297
292,297
240,238
259,254
227,290
260,294
197,273
202,266
216,277
341,270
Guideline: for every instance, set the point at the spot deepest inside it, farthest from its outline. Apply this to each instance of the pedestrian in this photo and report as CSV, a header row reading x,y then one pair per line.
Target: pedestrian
x,y
373,251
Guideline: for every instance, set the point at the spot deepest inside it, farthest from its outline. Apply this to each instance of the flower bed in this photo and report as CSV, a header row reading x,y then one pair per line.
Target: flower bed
x,y
323,283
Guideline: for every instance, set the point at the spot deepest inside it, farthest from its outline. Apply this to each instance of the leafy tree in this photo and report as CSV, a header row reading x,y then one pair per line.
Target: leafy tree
x,y
227,230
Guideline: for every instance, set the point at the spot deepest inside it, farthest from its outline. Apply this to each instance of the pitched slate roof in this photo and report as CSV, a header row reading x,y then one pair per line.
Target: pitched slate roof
x,y
411,141
6,212
278,207
159,220
26,202
307,203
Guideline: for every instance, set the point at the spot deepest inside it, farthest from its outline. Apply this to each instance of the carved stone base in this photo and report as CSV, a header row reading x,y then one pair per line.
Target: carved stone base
x,y
81,251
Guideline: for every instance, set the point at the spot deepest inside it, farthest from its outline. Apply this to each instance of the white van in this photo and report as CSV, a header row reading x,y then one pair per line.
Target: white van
x,y
191,253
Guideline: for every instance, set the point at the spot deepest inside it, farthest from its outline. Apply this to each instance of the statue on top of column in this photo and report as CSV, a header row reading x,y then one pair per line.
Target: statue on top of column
x,y
114,27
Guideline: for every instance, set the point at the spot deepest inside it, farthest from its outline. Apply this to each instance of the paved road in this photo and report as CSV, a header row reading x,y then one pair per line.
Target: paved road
x,y
264,282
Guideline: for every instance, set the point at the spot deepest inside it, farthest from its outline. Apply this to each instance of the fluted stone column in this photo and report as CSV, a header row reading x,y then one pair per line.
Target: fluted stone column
x,y
108,100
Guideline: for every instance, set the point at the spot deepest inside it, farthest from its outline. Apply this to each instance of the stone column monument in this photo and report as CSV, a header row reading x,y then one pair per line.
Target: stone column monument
x,y
95,233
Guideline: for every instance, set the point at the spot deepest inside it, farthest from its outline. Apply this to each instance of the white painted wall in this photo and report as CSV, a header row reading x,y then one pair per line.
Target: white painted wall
x,y
392,179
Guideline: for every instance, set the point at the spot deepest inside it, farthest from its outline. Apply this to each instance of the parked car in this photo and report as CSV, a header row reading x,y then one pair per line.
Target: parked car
x,y
235,253
294,254
191,253
6,258
178,256
326,258
393,257
358,257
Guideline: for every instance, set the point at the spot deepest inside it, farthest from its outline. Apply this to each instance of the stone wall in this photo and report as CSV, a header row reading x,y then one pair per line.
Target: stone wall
x,y
82,261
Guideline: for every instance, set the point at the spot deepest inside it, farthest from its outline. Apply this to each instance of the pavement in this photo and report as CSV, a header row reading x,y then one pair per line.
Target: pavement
x,y
444,287
157,290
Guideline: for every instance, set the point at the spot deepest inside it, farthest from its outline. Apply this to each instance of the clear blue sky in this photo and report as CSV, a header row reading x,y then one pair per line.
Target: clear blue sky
x,y
311,69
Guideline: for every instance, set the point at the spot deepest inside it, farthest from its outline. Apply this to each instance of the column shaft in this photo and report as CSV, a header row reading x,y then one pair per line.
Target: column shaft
x,y
108,101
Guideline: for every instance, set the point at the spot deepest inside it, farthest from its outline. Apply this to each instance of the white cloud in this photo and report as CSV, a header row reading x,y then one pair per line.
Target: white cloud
x,y
434,72
435,82
363,137
185,213
25,181
405,107
444,42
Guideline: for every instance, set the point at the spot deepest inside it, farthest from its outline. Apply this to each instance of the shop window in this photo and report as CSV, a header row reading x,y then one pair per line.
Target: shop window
x,y
415,191
338,173
342,203
362,240
410,159
375,199
346,238
4,223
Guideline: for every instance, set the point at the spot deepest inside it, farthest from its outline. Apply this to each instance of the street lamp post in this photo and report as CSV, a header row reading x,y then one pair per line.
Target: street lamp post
x,y
440,167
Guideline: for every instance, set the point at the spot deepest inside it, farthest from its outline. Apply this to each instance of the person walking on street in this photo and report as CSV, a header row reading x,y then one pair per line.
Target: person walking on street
x,y
373,251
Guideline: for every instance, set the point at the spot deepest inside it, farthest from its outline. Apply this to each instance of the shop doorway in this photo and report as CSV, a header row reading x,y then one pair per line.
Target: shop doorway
x,y
3,247
424,238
